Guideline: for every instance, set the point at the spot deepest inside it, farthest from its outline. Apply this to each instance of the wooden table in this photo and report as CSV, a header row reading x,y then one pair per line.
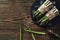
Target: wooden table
x,y
10,12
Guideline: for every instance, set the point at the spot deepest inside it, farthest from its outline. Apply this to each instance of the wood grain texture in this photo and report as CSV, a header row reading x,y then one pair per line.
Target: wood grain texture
x,y
9,27
10,13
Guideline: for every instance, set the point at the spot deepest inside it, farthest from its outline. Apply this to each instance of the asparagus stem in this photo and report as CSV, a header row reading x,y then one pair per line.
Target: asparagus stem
x,y
36,13
20,32
33,37
46,2
41,33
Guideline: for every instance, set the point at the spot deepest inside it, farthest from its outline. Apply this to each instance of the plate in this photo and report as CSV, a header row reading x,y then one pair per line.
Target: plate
x,y
51,23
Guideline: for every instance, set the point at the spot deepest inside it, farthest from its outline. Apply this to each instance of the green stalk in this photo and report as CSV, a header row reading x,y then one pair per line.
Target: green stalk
x,y
36,13
44,21
40,33
33,37
20,32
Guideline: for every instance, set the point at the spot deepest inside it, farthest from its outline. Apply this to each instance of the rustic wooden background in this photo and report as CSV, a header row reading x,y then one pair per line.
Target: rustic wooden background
x,y
10,12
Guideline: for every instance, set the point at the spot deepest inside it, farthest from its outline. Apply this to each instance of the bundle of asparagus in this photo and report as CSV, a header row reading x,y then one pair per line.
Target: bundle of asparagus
x,y
47,5
49,16
49,12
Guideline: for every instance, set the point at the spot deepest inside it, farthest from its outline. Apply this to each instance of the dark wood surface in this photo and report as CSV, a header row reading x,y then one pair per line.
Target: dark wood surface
x,y
10,12
26,6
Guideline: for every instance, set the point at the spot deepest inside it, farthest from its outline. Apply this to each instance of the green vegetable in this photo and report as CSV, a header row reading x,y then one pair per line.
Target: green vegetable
x,y
20,32
33,37
35,32
36,13
43,20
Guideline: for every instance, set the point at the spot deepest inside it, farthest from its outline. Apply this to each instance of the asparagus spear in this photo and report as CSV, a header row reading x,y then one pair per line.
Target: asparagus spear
x,y
33,37
20,32
41,33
